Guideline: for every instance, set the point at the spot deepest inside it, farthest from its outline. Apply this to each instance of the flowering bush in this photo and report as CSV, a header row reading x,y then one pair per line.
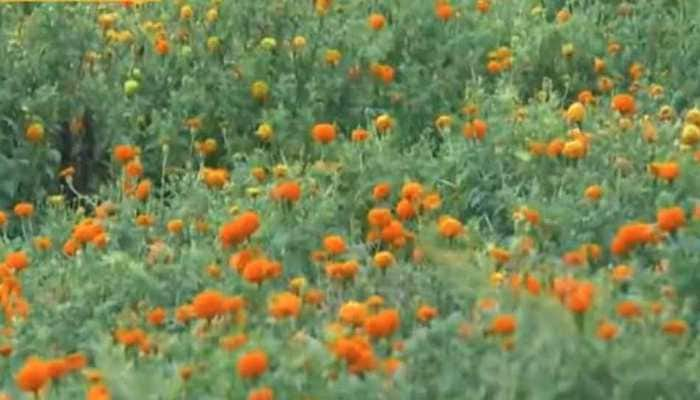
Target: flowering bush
x,y
326,199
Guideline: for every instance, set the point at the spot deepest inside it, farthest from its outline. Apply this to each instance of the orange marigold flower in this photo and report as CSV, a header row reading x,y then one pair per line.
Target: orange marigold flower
x,y
426,313
143,190
379,217
239,229
381,191
675,327
449,227
24,210
256,271
157,316
334,244
384,259
33,375
98,392
376,21
607,331
57,368
628,309
623,103
575,258
555,147
578,296
175,226
285,305
667,171
593,192
475,130
263,393
161,46
233,342
289,191
405,210
76,361
412,191
631,235
342,270
431,202
323,133
42,243
314,297
504,324
670,219
16,260
3,219
622,273
383,324
353,313
357,352
444,11
359,135
133,168
124,153
500,255
252,364
215,178
209,304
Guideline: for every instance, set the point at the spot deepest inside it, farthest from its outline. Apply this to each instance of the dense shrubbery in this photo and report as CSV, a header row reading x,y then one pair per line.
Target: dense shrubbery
x,y
395,200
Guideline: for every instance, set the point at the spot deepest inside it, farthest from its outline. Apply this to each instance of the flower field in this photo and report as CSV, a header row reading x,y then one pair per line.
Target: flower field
x,y
350,199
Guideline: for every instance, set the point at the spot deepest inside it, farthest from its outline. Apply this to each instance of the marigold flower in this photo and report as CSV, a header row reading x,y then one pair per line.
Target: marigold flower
x,y
357,352
239,229
412,191
675,327
475,129
252,364
444,11
384,259
382,324
376,21
157,316
289,191
426,313
285,305
124,153
379,217
593,192
334,244
215,178
16,260
381,191
98,392
628,309
353,313
233,342
624,104
323,133
405,209
33,375
607,331
24,210
3,219
359,135
670,219
504,324
208,304
449,227
263,393
667,171
622,273
383,123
